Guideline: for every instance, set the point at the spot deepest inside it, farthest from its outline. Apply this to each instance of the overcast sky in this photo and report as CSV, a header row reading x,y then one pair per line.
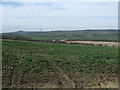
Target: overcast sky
x,y
58,15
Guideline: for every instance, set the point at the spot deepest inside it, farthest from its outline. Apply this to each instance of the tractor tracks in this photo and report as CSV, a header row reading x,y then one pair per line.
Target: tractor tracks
x,y
63,80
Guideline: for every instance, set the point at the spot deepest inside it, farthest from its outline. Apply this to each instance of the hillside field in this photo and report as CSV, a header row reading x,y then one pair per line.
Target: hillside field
x,y
43,65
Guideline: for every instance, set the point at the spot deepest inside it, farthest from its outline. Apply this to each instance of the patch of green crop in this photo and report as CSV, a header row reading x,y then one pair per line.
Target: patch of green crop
x,y
30,57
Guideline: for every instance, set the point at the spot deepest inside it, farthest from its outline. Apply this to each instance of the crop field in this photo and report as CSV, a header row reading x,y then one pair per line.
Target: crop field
x,y
53,65
95,43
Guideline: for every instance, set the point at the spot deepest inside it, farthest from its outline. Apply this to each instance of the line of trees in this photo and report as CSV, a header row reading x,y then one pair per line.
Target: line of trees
x,y
92,40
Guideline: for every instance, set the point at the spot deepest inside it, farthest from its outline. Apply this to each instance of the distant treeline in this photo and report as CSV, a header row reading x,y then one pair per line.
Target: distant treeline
x,y
64,42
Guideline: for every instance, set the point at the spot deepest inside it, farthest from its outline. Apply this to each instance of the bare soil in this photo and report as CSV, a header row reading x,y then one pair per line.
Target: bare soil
x,y
60,79
96,43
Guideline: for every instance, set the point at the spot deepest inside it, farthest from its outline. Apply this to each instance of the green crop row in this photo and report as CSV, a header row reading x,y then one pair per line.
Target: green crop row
x,y
29,57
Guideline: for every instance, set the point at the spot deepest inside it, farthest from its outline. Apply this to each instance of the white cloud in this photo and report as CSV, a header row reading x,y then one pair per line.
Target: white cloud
x,y
60,15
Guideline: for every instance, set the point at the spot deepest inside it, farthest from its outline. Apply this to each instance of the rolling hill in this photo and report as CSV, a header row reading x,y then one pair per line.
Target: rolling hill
x,y
66,35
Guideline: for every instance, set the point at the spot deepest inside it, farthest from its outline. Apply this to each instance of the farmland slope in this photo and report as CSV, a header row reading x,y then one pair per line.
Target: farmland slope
x,y
25,64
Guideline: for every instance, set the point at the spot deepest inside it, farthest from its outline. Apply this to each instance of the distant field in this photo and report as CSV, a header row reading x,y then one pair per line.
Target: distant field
x,y
80,34
96,43
40,64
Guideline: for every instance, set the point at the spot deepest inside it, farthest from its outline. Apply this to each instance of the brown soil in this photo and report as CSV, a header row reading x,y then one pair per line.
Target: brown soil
x,y
59,79
83,80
